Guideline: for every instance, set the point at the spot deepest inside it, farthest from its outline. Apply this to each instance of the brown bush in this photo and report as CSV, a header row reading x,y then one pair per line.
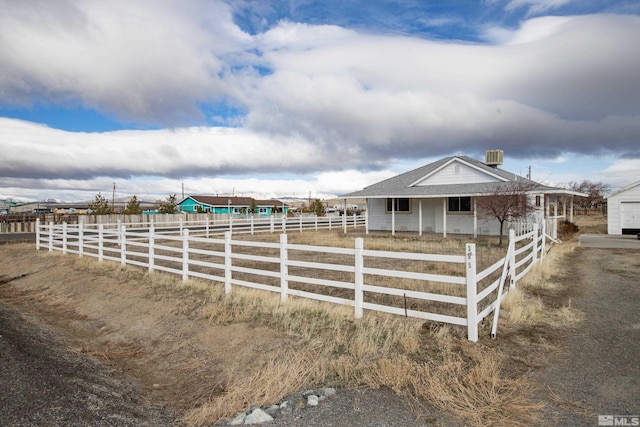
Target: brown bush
x,y
567,228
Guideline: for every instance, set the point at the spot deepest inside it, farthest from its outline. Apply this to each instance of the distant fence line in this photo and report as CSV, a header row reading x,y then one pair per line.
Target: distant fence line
x,y
283,268
27,223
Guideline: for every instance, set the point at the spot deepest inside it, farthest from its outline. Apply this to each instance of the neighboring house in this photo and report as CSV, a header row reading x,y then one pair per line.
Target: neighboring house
x,y
442,197
623,206
233,205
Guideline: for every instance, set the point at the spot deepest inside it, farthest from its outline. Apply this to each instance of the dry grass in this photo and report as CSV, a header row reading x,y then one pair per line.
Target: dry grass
x,y
330,347
469,382
286,371
463,379
526,307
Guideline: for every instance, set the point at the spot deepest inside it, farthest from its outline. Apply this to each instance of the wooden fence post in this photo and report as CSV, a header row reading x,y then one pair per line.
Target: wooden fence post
x,y
359,278
544,239
472,292
50,235
227,262
535,244
252,225
151,242
123,245
316,220
185,254
37,234
284,224
64,238
272,227
100,242
301,222
284,270
80,238
512,262
344,221
330,222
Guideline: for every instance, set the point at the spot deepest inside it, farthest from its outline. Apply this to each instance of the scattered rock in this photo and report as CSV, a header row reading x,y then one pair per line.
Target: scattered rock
x,y
312,400
257,416
299,401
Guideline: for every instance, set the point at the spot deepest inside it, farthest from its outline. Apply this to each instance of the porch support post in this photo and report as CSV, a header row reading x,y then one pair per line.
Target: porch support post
x,y
444,217
393,216
564,206
366,216
475,219
555,205
571,209
420,217
547,205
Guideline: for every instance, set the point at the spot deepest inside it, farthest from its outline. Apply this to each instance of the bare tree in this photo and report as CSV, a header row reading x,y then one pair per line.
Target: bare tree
x,y
595,190
506,202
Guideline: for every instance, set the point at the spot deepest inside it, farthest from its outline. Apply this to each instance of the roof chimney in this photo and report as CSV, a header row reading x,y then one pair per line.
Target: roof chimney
x,y
494,158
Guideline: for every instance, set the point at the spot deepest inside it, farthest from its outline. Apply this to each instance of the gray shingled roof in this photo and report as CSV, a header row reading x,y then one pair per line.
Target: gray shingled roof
x,y
400,185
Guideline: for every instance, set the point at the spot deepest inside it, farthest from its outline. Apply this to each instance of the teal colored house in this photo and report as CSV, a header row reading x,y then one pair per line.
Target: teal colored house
x,y
233,205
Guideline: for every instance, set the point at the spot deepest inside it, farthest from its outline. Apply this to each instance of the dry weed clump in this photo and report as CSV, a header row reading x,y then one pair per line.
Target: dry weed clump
x,y
285,372
469,382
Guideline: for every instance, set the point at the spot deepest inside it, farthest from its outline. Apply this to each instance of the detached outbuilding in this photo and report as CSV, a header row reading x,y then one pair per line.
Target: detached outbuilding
x,y
623,206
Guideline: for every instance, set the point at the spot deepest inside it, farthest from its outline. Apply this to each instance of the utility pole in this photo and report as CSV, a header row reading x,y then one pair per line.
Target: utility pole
x,y
529,175
113,197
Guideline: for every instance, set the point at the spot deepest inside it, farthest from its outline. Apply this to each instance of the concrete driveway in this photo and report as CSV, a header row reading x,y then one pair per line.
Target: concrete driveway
x,y
609,241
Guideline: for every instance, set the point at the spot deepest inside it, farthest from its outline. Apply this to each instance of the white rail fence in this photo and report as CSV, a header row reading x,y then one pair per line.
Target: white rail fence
x,y
27,224
402,283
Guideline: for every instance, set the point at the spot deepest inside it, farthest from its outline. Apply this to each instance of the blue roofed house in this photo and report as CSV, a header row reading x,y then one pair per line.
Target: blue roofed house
x,y
442,197
233,205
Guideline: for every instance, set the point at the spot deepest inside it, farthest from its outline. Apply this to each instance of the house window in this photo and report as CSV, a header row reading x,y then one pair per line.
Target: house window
x,y
401,205
538,201
459,204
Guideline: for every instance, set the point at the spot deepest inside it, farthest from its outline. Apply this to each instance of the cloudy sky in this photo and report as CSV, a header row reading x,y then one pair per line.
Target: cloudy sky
x,y
290,97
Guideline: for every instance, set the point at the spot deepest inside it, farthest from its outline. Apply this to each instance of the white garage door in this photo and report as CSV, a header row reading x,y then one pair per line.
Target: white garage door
x,y
630,214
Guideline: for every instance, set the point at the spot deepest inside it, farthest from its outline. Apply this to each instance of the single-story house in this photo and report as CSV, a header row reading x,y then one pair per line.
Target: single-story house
x,y
233,205
442,197
623,214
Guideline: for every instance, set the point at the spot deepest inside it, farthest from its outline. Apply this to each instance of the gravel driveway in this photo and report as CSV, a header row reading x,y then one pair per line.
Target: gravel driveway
x,y
599,370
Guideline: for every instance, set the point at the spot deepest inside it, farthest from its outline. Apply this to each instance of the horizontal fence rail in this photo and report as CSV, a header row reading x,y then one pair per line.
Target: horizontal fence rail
x,y
433,287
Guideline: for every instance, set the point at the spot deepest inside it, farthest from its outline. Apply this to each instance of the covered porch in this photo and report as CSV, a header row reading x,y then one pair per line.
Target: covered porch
x,y
452,214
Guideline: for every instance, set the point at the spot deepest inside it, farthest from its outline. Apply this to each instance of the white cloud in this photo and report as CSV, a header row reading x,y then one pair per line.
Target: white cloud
x,y
141,61
332,99
536,7
620,174
38,151
322,186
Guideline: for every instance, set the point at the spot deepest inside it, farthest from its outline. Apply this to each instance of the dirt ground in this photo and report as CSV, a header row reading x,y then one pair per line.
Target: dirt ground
x,y
78,347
